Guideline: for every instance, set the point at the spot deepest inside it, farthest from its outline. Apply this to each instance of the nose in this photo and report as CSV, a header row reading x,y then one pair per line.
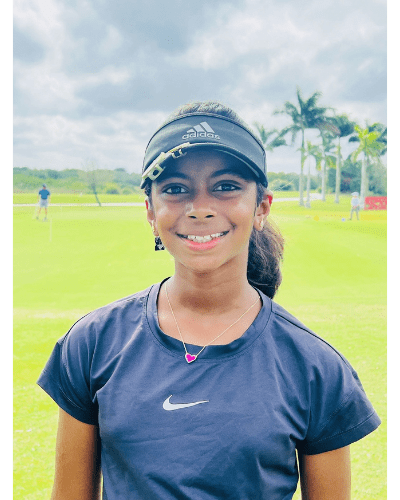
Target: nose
x,y
200,208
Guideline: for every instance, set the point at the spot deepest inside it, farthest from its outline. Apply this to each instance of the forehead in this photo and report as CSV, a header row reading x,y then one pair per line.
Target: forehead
x,y
206,163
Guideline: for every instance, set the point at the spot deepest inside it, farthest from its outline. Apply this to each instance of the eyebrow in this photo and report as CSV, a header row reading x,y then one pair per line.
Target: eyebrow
x,y
180,175
228,170
167,174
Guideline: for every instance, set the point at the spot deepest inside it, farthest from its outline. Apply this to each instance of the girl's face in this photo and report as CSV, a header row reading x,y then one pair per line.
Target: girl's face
x,y
204,210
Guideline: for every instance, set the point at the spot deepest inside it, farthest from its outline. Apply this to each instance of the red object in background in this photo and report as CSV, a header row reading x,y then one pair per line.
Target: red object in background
x,y
375,203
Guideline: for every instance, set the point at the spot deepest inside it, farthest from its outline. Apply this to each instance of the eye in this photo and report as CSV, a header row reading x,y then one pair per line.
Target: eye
x,y
226,186
175,189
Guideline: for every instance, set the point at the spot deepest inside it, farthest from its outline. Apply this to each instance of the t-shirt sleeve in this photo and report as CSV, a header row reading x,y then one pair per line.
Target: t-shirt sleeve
x,y
66,376
340,411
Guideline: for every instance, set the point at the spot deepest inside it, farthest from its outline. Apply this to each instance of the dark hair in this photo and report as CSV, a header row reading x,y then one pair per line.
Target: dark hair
x,y
266,246
265,255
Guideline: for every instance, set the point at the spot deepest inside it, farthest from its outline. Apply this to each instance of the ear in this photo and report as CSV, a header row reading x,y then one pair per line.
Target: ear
x,y
262,211
151,218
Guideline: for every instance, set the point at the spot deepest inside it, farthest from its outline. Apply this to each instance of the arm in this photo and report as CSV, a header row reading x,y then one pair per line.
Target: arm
x,y
77,473
326,476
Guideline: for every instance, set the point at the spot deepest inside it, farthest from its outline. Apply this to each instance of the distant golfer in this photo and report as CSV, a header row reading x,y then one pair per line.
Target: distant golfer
x,y
43,200
355,205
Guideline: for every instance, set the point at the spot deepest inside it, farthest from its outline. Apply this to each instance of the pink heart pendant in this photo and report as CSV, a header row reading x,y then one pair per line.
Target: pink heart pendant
x,y
190,358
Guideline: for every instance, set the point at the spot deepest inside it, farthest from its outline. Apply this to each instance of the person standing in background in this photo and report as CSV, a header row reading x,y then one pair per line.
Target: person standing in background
x,y
43,200
355,205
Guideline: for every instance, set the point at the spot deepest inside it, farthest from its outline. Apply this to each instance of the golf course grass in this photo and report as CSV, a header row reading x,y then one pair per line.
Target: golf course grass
x,y
80,198
334,281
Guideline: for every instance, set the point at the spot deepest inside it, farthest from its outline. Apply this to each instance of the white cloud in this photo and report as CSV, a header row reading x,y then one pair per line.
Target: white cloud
x,y
223,42
108,74
250,57
41,17
282,34
112,42
59,142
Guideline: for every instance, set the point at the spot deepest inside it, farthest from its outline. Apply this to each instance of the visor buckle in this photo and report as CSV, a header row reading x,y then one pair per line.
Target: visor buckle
x,y
178,154
178,150
155,169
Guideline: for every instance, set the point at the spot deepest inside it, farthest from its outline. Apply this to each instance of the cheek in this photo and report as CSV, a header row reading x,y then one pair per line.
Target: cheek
x,y
165,217
245,210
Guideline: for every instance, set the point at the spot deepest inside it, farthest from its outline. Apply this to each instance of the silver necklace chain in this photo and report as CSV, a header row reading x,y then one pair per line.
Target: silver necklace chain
x,y
192,357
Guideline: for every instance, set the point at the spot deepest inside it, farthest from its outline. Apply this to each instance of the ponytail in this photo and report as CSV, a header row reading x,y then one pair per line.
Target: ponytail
x,y
265,255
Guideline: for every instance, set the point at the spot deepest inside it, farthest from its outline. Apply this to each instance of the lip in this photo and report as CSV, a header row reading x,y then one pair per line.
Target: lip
x,y
202,245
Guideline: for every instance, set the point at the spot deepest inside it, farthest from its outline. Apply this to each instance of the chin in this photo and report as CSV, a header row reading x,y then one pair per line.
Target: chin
x,y
206,264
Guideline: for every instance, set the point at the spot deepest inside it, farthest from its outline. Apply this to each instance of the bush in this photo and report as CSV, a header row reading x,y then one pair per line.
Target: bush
x,y
112,188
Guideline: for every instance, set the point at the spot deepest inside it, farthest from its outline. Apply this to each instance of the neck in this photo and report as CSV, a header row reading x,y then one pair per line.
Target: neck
x,y
212,292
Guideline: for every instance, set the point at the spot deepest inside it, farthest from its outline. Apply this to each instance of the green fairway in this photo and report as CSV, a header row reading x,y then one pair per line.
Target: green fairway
x,y
79,198
334,281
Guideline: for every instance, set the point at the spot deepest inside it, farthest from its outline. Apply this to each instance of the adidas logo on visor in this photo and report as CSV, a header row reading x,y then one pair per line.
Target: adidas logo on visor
x,y
201,130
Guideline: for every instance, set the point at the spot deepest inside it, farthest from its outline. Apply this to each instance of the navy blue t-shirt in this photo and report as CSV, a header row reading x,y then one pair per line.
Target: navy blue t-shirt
x,y
276,389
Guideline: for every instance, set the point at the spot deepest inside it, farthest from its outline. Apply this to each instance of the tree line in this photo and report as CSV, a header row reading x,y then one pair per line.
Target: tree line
x,y
117,181
370,145
121,182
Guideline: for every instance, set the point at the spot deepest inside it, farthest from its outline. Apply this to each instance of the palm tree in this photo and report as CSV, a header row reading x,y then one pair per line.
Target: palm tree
x,y
304,116
265,136
382,129
315,152
328,132
344,127
370,147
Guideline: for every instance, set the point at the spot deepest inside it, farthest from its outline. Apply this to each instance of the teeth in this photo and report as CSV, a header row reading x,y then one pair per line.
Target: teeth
x,y
203,239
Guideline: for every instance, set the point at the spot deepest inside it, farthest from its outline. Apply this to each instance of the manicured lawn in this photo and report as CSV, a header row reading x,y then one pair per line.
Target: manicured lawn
x,y
79,198
334,280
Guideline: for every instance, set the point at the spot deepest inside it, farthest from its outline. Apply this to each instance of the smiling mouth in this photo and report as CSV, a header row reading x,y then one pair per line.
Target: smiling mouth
x,y
202,239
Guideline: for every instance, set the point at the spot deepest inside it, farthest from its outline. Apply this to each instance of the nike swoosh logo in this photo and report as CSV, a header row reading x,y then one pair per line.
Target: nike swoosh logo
x,y
171,406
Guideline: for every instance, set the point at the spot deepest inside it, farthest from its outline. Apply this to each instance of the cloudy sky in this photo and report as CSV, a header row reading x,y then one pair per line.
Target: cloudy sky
x,y
94,78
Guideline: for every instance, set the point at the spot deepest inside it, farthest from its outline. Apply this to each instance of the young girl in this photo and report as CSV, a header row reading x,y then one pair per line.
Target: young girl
x,y
201,387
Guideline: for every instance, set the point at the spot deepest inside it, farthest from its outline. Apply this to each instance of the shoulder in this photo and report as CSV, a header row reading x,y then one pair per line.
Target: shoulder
x,y
104,313
299,342
109,324
339,411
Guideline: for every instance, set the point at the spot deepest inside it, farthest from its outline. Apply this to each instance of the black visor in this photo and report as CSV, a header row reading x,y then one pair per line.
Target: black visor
x,y
203,130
